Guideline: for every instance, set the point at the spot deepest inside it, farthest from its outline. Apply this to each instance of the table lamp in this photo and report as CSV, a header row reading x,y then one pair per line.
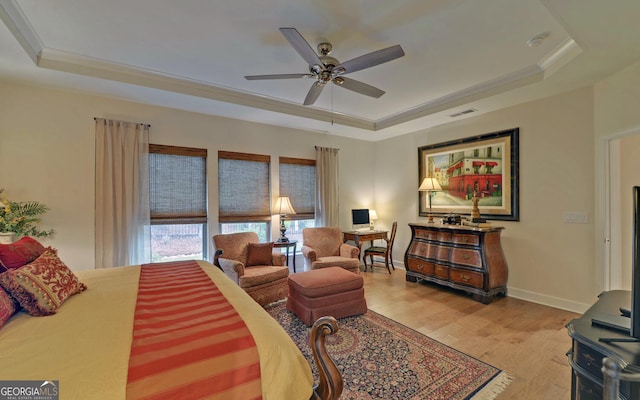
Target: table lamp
x,y
429,185
373,215
283,207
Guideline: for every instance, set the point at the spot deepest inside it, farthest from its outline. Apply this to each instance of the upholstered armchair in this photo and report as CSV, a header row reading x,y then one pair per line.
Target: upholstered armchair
x,y
323,247
252,265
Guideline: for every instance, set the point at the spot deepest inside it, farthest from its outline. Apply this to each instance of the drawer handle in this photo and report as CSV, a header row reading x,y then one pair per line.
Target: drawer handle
x,y
466,257
464,240
420,266
589,358
466,278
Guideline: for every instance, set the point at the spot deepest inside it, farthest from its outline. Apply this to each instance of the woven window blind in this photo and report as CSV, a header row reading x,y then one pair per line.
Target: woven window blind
x,y
243,187
297,180
178,185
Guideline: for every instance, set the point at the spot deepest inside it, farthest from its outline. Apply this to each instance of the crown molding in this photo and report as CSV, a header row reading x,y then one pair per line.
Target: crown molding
x,y
98,68
20,28
61,60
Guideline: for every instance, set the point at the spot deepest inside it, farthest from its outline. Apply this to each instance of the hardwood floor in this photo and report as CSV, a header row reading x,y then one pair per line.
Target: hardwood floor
x,y
525,339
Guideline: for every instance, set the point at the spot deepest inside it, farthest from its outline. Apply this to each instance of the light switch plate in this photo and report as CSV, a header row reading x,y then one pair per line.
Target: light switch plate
x,y
575,218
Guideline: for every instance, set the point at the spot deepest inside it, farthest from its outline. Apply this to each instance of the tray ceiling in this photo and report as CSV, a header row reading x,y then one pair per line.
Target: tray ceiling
x,y
193,55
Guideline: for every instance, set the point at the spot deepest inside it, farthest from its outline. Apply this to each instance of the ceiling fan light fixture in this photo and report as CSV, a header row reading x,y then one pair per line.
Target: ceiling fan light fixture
x,y
315,69
338,71
325,68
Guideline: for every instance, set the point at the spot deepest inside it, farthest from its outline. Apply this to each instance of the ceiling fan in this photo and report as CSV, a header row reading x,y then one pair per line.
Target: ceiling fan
x,y
324,68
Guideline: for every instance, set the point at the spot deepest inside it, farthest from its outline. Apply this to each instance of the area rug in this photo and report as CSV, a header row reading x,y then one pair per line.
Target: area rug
x,y
382,359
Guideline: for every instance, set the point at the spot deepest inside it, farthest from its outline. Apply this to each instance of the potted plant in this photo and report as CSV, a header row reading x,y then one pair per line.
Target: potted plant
x,y
19,219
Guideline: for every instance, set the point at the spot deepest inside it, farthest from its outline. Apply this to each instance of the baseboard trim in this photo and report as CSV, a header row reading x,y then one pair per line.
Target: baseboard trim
x,y
551,301
539,298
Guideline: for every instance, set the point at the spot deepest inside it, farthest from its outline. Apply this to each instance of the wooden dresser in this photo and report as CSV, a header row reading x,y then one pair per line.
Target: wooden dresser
x,y
587,351
461,257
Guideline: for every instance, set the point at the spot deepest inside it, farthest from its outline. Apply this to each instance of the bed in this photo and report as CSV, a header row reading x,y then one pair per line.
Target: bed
x,y
86,345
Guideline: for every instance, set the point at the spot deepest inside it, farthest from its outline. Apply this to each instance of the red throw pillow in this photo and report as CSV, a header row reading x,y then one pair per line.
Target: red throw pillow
x,y
8,307
19,253
43,285
260,254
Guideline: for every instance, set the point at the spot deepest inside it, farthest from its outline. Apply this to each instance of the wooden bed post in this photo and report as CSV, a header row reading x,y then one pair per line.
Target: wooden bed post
x,y
331,384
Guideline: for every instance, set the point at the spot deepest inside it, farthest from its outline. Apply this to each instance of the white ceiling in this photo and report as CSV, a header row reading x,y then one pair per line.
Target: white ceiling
x,y
194,54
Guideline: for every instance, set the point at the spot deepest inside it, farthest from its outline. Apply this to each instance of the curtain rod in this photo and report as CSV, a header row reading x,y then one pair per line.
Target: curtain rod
x,y
142,123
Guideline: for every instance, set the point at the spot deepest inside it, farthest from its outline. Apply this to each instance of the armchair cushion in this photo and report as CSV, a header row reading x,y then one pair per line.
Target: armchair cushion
x,y
252,265
323,247
259,254
262,275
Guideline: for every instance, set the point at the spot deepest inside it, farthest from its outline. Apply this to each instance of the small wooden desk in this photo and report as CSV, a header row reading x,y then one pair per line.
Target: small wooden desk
x,y
358,237
287,245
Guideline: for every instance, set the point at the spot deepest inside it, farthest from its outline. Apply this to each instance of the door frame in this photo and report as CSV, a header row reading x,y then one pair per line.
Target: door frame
x,y
608,218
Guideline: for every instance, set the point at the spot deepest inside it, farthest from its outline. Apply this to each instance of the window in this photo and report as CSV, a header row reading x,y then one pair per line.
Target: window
x,y
178,202
297,180
243,193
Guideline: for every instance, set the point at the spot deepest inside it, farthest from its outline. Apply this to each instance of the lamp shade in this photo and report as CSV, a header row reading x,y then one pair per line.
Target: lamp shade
x,y
283,206
373,215
429,184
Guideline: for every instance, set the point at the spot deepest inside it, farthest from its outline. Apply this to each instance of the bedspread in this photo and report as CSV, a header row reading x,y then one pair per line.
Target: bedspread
x,y
86,345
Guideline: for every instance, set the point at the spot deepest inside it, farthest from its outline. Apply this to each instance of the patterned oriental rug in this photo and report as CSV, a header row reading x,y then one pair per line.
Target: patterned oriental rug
x,y
382,359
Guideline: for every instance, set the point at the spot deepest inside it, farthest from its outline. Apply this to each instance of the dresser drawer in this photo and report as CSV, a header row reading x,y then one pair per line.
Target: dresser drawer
x,y
471,258
432,251
588,390
468,278
419,249
420,266
461,238
444,237
426,234
441,271
588,359
442,253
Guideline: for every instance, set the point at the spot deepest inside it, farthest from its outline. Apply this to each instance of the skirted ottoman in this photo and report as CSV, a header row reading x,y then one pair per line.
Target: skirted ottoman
x,y
330,291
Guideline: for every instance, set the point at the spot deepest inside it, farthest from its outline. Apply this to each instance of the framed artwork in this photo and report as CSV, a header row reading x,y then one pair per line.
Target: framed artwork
x,y
486,165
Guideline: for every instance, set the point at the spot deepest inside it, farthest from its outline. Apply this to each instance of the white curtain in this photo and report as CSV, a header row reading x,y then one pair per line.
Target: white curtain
x,y
327,210
122,193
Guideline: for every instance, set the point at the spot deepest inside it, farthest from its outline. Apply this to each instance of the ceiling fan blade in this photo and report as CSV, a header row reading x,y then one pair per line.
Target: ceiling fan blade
x,y
301,46
314,93
359,87
278,76
369,60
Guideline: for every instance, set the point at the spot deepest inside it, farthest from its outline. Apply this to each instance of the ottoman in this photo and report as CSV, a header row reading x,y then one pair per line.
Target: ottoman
x,y
330,291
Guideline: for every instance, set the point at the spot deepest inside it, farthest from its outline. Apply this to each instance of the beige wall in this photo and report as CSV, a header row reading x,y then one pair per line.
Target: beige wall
x,y
46,154
550,261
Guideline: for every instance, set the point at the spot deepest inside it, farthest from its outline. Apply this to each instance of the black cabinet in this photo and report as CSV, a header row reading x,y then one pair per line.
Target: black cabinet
x,y
587,351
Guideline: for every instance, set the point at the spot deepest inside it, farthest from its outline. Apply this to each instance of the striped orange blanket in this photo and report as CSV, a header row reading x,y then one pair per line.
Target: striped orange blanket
x,y
188,340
